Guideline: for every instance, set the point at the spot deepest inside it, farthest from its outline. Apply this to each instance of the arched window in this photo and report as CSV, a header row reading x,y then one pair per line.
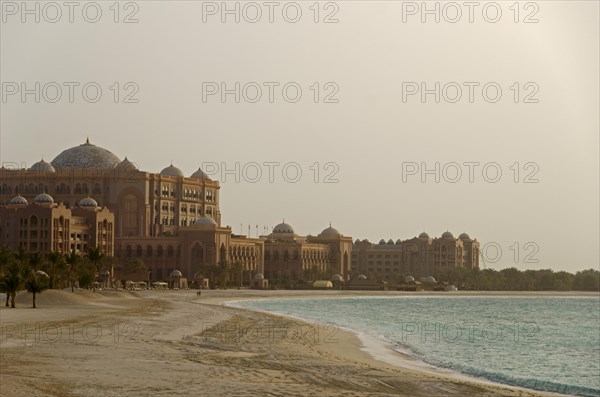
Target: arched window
x,y
159,251
197,254
138,251
33,221
149,251
128,250
170,251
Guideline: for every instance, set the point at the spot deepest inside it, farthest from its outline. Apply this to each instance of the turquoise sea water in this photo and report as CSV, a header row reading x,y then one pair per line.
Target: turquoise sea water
x,y
543,343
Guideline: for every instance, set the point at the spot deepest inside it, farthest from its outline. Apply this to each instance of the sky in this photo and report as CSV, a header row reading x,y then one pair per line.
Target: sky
x,y
369,115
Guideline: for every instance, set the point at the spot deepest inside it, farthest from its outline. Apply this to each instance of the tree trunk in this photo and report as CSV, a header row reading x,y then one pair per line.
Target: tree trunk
x,y
7,298
12,299
34,300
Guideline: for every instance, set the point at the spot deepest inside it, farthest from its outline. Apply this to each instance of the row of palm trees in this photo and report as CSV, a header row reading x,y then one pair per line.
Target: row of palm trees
x,y
221,272
36,271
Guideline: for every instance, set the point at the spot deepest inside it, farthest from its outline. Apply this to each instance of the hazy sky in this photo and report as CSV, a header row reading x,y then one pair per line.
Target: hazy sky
x,y
368,122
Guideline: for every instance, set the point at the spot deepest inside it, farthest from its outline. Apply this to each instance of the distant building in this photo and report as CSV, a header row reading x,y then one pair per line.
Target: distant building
x,y
419,256
289,256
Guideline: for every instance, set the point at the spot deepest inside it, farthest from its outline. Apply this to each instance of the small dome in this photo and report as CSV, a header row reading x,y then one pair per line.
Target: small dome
x,y
361,277
398,242
409,279
283,228
43,198
88,202
337,278
176,273
423,235
42,166
332,231
390,242
381,242
464,236
126,165
200,174
259,276
18,200
447,235
204,220
430,279
171,171
42,273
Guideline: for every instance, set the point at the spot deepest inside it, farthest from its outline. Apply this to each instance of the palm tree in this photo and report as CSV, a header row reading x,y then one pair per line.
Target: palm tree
x,y
96,259
208,271
6,258
56,260
36,283
6,255
238,268
223,272
135,267
73,260
10,283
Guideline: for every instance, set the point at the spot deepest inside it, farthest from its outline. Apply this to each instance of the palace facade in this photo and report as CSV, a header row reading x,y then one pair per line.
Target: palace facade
x,y
289,256
170,221
420,256
87,197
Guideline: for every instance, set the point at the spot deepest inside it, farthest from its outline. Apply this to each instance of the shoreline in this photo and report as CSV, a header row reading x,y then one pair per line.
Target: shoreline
x,y
174,343
389,352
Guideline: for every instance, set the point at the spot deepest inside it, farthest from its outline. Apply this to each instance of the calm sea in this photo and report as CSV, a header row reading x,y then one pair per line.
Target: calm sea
x,y
543,343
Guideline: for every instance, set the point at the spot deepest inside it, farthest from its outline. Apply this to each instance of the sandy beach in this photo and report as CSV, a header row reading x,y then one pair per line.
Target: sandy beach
x,y
174,343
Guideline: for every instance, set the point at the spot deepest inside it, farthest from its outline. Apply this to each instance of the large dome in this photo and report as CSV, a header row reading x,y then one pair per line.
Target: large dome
x,y
283,228
85,156
447,235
